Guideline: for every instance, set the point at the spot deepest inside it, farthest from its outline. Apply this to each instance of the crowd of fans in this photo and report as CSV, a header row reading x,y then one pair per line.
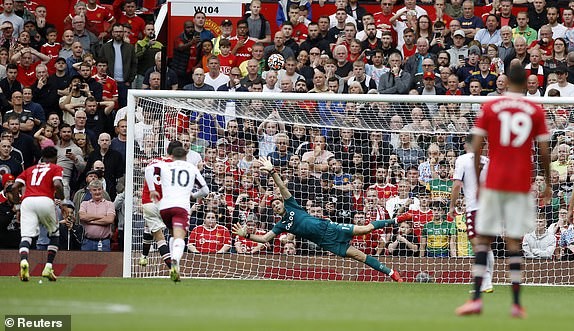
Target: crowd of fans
x,y
71,95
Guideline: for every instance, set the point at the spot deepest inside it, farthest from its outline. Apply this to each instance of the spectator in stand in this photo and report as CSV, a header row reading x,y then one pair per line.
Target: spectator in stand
x,y
539,243
404,243
491,33
314,39
38,115
8,163
51,49
66,49
566,89
113,161
97,215
226,28
198,82
242,46
486,78
88,40
209,237
129,16
397,80
501,86
25,117
10,84
7,39
146,49
100,17
214,77
83,194
469,22
79,126
438,236
259,28
278,47
108,85
359,76
126,73
171,79
408,152
523,29
533,87
252,74
95,87
119,142
9,15
76,57
185,53
69,157
414,64
77,93
26,65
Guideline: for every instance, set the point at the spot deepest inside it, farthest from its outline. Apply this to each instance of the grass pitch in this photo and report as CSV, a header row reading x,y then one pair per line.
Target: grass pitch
x,y
194,304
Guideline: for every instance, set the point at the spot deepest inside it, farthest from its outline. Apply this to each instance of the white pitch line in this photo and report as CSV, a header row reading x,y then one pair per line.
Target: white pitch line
x,y
66,307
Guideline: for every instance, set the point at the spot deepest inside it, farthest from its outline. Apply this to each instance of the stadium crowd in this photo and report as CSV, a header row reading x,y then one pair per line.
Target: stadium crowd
x,y
68,89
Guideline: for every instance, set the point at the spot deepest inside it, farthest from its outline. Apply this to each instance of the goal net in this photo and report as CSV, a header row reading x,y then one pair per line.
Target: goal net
x,y
345,158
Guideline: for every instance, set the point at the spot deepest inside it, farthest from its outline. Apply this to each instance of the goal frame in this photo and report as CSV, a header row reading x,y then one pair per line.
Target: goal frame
x,y
133,95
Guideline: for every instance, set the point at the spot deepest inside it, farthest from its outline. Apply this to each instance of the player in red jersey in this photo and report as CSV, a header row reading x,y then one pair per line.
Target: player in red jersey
x,y
510,124
153,224
43,181
180,181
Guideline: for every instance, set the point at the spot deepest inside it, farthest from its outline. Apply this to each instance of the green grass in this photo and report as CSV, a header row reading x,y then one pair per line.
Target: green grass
x,y
158,304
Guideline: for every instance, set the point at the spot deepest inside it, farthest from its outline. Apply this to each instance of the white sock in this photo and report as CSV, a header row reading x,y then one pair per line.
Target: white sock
x,y
487,282
171,244
178,246
48,265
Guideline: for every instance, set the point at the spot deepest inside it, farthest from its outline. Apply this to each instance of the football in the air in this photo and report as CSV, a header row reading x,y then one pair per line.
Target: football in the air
x,y
275,61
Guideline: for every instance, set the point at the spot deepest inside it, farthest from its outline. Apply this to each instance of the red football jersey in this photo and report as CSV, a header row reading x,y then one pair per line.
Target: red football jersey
x,y
385,191
511,124
39,180
226,63
98,16
145,192
209,241
109,86
27,76
244,52
53,51
249,245
420,218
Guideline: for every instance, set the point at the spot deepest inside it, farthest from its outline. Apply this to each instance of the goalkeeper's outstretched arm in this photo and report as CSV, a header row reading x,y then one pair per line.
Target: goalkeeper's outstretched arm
x,y
266,165
241,231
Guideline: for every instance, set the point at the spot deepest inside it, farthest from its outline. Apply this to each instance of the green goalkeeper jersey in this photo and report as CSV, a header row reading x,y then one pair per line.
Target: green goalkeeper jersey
x,y
298,222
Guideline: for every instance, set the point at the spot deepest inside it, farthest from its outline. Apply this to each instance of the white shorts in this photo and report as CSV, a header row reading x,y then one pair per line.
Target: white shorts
x,y
152,218
36,210
505,213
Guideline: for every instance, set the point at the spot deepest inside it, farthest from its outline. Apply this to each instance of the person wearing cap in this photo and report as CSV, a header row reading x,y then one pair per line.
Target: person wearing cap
x,y
565,88
9,15
429,86
226,30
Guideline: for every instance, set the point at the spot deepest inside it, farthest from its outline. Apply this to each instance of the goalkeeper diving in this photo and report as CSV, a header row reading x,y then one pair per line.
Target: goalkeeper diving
x,y
331,236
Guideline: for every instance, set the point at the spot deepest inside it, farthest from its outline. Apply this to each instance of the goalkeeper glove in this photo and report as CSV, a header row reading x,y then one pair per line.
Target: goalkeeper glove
x,y
239,230
266,164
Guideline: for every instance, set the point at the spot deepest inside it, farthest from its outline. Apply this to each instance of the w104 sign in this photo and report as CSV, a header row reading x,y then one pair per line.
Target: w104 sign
x,y
230,8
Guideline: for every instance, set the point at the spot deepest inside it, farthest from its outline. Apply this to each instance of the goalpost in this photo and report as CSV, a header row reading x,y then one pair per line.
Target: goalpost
x,y
365,138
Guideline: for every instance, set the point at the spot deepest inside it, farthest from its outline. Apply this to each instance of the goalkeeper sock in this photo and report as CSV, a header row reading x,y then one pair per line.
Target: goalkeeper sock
x,y
147,241
515,264
164,252
178,246
379,224
376,264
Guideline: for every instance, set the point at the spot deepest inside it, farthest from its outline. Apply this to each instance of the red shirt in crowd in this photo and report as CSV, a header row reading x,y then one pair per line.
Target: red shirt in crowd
x,y
209,241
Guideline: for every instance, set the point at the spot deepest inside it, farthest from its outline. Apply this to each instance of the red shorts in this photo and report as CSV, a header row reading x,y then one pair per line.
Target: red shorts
x,y
470,227
175,217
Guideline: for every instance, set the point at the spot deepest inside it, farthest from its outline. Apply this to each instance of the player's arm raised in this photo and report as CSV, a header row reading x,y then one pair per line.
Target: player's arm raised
x,y
242,232
266,165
